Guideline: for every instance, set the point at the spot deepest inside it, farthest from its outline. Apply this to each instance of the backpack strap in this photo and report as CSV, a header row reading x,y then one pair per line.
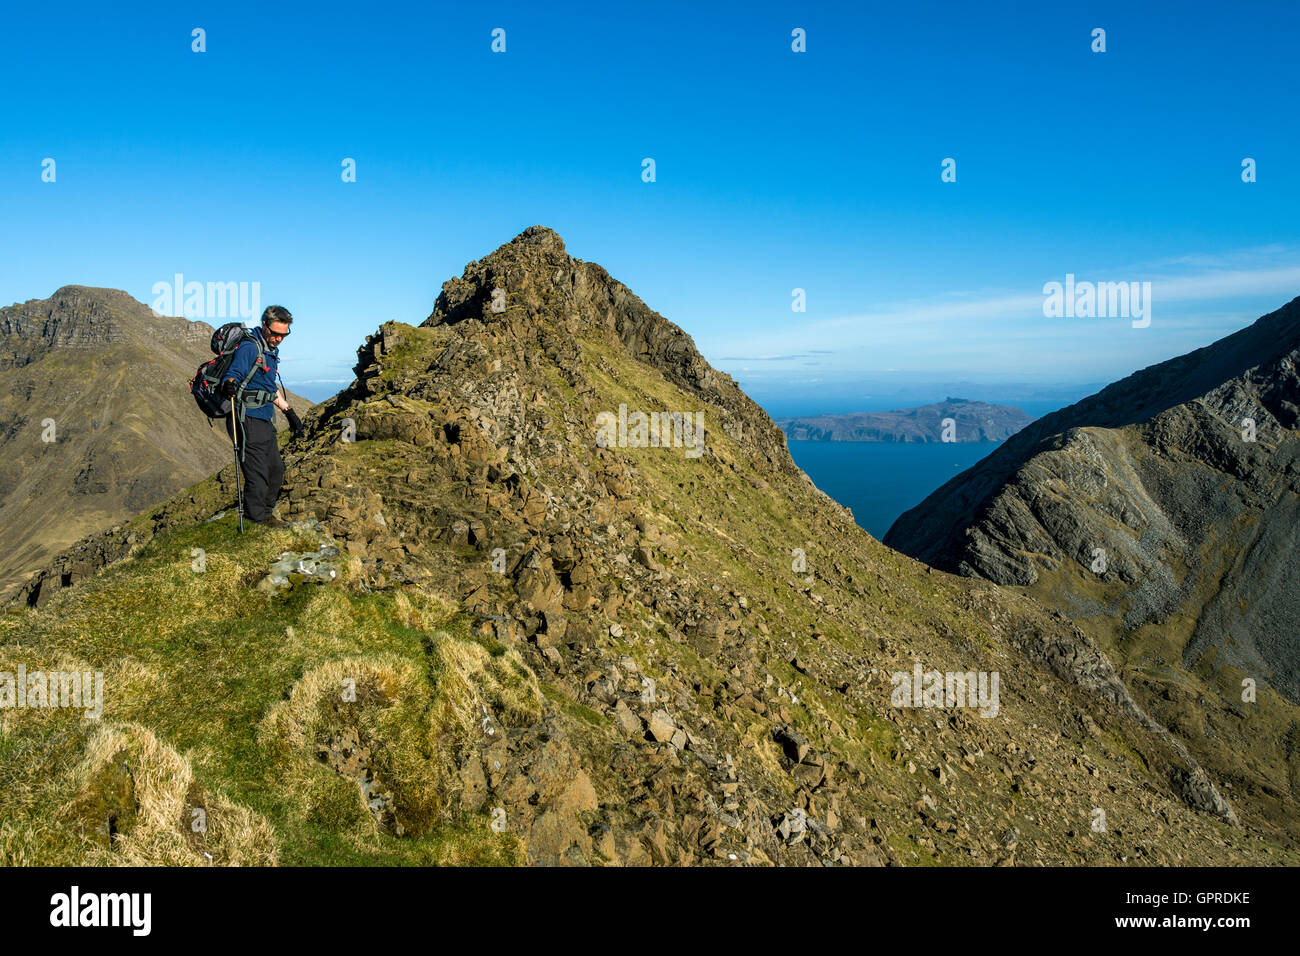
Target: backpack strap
x,y
258,397
261,358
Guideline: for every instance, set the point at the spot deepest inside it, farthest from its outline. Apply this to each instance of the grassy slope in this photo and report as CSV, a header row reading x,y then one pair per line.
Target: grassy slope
x,y
201,661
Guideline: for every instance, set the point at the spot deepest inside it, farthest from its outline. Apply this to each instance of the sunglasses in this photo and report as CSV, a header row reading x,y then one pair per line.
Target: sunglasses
x,y
279,335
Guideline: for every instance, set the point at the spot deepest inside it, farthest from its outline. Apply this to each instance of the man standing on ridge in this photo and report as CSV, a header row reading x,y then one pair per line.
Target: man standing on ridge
x,y
252,415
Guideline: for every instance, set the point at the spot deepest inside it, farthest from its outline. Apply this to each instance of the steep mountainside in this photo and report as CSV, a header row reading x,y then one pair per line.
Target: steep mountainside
x,y
972,422
111,377
502,628
1163,513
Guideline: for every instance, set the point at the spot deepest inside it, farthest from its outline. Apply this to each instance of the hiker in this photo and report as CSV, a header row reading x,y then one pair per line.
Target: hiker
x,y
252,416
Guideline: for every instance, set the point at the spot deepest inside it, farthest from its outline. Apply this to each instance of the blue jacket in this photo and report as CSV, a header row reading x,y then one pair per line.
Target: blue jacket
x,y
263,378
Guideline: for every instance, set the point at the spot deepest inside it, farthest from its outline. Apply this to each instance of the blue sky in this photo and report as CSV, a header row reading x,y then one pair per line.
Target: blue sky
x,y
775,170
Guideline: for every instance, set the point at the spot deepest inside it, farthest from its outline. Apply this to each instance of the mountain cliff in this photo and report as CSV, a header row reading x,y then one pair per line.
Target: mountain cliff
x,y
1163,514
554,592
96,420
971,422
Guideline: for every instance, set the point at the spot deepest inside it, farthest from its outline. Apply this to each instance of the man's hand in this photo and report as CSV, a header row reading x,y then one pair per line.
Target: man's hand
x,y
228,388
295,422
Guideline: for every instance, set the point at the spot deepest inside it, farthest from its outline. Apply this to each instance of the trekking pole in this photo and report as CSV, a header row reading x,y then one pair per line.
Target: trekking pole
x,y
239,492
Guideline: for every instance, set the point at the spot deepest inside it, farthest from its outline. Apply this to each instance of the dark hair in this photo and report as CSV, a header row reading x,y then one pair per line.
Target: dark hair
x,y
276,313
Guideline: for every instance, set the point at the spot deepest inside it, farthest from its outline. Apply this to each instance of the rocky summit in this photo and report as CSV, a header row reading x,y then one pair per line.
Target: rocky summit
x,y
1163,515
553,592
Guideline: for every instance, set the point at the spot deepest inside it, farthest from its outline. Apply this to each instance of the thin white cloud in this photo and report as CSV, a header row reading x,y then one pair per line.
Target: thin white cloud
x,y
1195,300
1218,284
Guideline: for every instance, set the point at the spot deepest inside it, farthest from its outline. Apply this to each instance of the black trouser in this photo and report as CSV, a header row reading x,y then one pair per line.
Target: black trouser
x,y
263,469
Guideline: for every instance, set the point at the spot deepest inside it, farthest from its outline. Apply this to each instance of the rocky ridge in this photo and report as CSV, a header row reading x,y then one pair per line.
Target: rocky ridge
x,y
1162,514
711,639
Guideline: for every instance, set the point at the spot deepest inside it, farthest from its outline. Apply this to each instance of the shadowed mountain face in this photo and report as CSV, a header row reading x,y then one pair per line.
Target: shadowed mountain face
x,y
106,381
1164,514
589,611
971,422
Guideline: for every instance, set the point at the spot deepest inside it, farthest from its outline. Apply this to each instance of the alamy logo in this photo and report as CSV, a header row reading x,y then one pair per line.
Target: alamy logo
x,y
946,689
212,300
103,909
653,430
53,689
1102,300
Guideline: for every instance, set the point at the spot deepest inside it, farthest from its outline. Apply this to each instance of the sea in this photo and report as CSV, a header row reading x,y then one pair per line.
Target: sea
x,y
881,480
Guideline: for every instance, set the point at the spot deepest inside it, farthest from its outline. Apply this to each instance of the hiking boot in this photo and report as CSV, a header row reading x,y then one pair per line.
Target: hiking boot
x,y
274,522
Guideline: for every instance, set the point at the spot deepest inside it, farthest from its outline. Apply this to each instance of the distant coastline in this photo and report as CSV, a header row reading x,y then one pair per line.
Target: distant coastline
x,y
952,420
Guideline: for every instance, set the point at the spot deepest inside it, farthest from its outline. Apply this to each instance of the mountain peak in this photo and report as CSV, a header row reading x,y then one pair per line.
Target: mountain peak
x,y
541,236
87,317
530,290
93,294
74,316
507,272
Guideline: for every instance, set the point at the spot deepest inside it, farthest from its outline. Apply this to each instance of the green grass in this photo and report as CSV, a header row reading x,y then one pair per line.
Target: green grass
x,y
574,709
200,660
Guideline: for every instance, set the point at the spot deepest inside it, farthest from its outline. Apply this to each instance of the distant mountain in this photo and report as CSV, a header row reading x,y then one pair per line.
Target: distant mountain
x,y
107,378
577,632
1163,515
972,422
